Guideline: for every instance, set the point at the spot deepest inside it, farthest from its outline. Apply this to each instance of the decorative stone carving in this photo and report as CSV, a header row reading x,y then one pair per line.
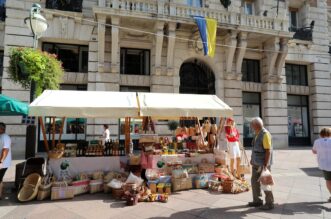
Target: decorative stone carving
x,y
240,53
171,48
230,49
158,46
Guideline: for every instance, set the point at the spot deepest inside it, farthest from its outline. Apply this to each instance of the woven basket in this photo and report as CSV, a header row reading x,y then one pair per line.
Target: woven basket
x,y
81,187
63,192
44,192
96,186
227,186
117,193
29,191
55,154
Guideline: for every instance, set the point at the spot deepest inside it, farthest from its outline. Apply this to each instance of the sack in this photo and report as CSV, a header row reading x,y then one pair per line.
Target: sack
x,y
62,192
266,180
115,184
201,143
213,129
81,186
244,167
179,173
201,181
206,167
207,126
222,142
181,184
134,179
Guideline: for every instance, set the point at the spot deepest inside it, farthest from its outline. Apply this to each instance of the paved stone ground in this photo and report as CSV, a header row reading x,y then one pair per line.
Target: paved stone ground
x,y
300,192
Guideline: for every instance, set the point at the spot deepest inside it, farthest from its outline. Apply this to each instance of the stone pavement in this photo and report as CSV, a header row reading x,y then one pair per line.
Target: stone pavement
x,y
300,192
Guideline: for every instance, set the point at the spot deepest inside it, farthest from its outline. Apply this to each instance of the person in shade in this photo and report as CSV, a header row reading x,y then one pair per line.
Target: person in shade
x,y
5,156
106,134
232,135
322,147
261,159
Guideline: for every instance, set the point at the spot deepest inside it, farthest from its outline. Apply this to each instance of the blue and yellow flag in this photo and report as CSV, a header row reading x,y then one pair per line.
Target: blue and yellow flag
x,y
207,28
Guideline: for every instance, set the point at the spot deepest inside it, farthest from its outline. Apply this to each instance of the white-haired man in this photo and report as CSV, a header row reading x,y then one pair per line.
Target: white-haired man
x,y
5,154
261,159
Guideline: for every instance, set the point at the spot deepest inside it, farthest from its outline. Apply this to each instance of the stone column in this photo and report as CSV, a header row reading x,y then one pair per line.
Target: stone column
x,y
171,48
115,49
274,94
101,41
158,47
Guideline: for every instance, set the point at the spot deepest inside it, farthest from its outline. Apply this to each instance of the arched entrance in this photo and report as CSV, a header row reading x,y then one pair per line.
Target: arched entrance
x,y
196,78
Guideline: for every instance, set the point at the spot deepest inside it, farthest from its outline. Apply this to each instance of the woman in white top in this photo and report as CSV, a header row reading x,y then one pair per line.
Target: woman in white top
x,y
5,154
106,134
322,147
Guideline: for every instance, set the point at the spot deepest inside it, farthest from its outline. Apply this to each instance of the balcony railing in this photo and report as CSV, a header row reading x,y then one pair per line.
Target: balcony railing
x,y
65,5
305,33
155,8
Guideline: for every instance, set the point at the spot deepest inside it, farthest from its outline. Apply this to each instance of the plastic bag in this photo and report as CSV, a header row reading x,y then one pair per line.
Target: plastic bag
x,y
266,180
115,184
134,179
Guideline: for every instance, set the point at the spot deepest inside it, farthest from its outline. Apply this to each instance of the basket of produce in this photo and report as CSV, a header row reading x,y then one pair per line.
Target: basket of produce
x,y
227,186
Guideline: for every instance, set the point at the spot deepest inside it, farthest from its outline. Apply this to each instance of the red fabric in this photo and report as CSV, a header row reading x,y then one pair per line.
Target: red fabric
x,y
229,130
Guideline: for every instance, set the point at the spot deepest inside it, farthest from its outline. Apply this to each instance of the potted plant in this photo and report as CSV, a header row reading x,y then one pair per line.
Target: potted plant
x,y
28,65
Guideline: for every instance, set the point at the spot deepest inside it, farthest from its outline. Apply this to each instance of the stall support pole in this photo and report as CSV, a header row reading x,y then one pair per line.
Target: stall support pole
x,y
53,133
61,129
43,130
127,135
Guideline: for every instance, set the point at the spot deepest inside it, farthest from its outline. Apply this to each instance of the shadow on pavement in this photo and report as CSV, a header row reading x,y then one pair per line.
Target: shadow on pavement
x,y
300,208
314,172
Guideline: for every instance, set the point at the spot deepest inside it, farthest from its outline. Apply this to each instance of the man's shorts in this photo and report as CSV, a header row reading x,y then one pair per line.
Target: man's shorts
x,y
2,174
327,175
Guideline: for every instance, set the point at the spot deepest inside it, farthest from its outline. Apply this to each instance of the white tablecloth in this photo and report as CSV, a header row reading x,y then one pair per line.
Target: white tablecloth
x,y
76,165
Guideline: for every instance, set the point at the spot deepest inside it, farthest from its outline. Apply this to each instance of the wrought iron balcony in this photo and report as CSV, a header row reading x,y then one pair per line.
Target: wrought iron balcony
x,y
305,33
65,5
174,11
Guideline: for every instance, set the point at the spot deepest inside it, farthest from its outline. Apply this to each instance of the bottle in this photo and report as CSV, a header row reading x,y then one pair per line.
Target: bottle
x,y
131,147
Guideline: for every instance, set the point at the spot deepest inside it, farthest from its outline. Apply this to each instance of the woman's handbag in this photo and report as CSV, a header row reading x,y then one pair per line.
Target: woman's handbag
x,y
244,167
213,129
207,126
192,131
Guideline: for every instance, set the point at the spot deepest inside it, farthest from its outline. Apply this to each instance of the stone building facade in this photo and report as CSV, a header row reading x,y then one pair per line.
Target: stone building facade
x,y
272,57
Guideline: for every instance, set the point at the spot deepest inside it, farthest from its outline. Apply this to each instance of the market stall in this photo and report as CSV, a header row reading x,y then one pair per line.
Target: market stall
x,y
186,158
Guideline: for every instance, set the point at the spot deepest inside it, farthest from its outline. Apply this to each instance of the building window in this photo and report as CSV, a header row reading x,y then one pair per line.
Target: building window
x,y
293,18
135,61
2,10
195,3
251,109
298,120
74,57
1,63
249,7
296,74
134,89
251,70
68,5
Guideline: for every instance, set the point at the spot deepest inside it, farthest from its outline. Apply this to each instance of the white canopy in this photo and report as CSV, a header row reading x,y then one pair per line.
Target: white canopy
x,y
85,104
182,105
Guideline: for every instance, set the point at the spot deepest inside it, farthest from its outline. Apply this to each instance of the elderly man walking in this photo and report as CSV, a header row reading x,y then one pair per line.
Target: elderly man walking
x,y
261,159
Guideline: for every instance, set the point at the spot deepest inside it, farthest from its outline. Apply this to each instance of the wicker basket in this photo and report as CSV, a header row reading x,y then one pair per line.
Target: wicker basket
x,y
55,154
181,184
29,191
63,192
81,186
96,186
44,192
117,193
227,186
106,188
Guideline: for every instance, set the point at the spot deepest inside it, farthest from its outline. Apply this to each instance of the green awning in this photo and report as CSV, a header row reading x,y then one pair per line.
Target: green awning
x,y
12,107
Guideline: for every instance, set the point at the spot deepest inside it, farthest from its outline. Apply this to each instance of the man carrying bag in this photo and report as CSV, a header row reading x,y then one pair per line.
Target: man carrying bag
x,y
261,160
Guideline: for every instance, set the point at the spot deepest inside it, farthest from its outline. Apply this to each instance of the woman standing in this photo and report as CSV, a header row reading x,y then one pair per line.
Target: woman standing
x,y
232,135
105,134
322,147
